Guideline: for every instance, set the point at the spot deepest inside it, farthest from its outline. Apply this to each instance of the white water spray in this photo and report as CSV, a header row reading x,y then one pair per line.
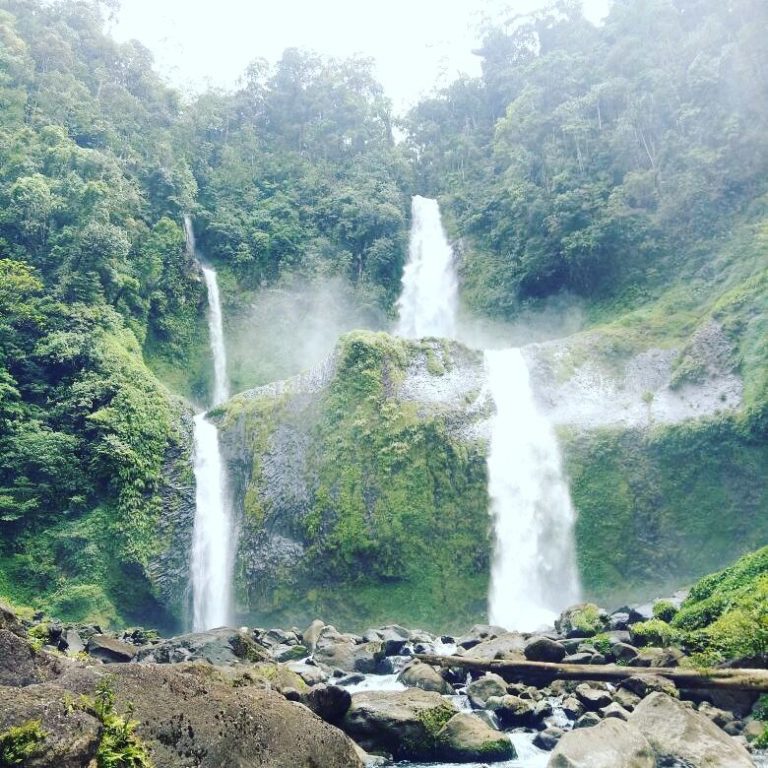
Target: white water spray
x,y
211,557
428,302
533,575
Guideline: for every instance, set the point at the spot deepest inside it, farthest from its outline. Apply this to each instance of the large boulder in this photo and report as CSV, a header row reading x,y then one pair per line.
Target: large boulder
x,y
110,650
610,744
51,731
482,689
350,656
466,738
583,620
544,649
404,724
21,665
677,732
418,675
330,702
221,647
509,645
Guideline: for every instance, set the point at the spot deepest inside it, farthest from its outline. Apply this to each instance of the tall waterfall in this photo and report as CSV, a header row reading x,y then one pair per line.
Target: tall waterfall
x,y
211,557
533,575
428,302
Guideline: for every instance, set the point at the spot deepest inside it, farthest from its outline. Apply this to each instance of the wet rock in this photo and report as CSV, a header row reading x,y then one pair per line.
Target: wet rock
x,y
21,665
513,712
544,649
284,653
626,699
623,653
480,690
587,720
548,738
466,738
642,685
404,724
329,702
109,650
677,732
610,744
593,698
311,674
418,675
572,708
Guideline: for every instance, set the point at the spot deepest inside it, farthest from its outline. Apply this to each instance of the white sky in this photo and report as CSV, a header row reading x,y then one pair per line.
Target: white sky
x,y
416,43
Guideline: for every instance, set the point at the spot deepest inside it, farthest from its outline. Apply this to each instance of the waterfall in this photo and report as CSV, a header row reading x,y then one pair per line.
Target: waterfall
x,y
533,575
212,535
429,298
211,556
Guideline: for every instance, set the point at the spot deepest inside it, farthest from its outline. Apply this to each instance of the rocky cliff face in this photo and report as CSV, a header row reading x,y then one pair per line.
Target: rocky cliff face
x,y
360,487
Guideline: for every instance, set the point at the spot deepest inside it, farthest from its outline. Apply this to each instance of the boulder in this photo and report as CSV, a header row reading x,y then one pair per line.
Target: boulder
x,y
677,732
592,698
642,685
65,737
109,649
71,642
221,647
587,720
626,699
21,665
544,649
311,634
404,724
582,620
478,634
309,673
10,621
350,656
418,675
548,738
466,738
572,708
513,712
610,744
480,690
507,645
614,710
329,702
579,658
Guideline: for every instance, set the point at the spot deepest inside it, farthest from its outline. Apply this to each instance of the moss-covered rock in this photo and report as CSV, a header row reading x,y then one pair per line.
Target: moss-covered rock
x,y
361,488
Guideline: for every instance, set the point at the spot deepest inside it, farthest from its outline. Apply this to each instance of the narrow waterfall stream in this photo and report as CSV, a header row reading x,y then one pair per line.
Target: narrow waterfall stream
x,y
429,299
534,574
211,556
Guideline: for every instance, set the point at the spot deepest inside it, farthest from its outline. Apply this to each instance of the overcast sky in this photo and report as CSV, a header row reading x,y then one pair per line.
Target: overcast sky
x,y
415,43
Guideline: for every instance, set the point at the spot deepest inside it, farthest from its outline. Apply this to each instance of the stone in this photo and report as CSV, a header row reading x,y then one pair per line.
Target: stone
x,y
544,649
619,620
752,730
311,634
592,698
677,732
626,699
582,620
221,647
642,612
71,642
284,653
10,621
623,653
465,738
329,702
572,708
418,675
404,724
110,650
587,720
578,658
548,738
642,685
480,690
311,674
507,645
513,712
610,744
614,710
478,634
350,656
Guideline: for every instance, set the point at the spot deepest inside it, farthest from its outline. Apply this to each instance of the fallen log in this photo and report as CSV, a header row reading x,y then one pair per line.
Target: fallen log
x,y
541,673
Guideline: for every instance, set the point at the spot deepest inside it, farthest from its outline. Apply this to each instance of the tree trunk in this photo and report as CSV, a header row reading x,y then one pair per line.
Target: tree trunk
x,y
541,673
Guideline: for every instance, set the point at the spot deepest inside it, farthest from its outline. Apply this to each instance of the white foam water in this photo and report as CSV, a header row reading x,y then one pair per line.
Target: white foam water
x,y
533,575
429,298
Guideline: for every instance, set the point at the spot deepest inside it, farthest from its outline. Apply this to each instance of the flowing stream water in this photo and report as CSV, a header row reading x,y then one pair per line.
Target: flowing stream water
x,y
534,575
211,556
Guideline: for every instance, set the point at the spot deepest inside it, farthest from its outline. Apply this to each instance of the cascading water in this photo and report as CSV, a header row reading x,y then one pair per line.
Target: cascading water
x,y
211,557
533,575
428,302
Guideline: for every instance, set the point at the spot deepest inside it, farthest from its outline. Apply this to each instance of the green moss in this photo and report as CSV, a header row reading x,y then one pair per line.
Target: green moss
x,y
19,743
654,632
664,610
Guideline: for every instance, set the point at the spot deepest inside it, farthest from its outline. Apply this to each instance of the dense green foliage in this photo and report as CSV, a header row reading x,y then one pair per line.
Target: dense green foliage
x,y
19,743
390,511
593,158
